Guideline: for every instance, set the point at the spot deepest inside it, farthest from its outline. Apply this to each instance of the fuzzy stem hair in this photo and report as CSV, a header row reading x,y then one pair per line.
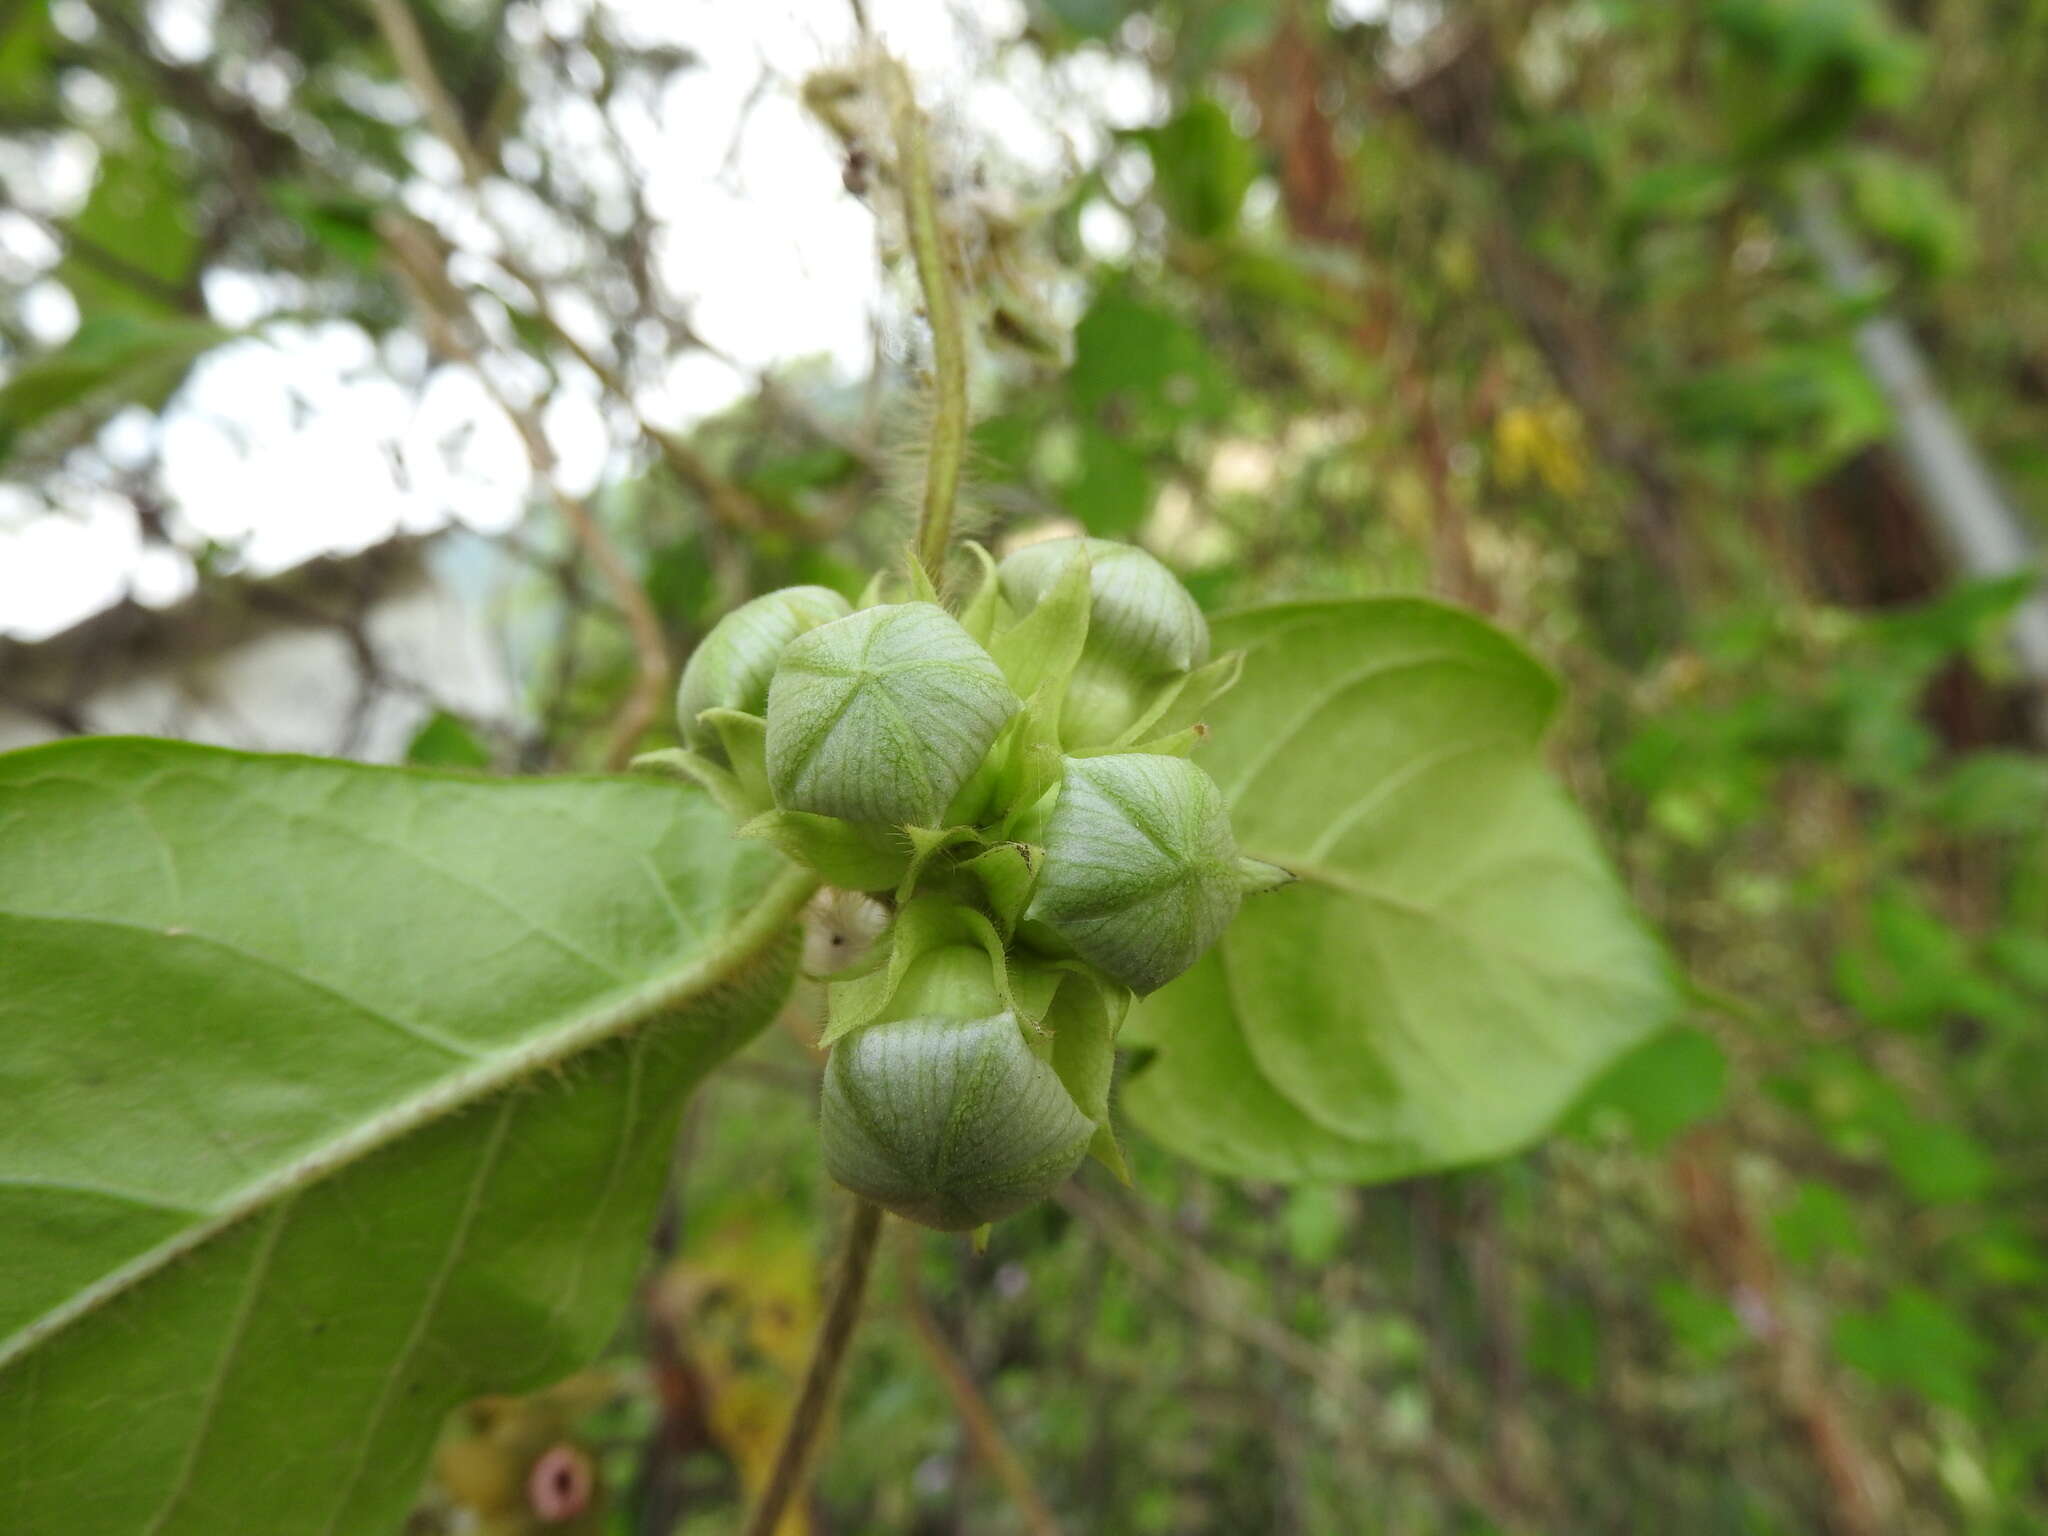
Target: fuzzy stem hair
x,y
948,442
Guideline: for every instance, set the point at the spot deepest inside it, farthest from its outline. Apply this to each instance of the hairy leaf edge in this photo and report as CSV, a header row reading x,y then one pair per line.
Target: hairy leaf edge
x,y
739,946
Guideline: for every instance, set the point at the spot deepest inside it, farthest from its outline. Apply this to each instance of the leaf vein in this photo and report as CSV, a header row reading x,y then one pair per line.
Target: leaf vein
x,y
430,1304
238,1330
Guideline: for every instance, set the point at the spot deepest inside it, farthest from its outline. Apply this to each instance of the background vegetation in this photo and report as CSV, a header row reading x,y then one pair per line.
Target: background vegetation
x,y
1510,301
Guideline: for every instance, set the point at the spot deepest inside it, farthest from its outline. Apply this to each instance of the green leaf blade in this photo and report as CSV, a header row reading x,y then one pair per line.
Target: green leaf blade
x,y
1456,959
343,1096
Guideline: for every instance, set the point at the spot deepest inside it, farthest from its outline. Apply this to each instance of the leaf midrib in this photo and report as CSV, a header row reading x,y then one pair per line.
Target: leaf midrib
x,y
418,1033
544,1055
1350,885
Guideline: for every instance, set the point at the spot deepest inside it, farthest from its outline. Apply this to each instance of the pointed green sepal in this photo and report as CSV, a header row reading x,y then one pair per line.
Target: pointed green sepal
x,y
851,855
1256,875
1030,986
671,762
985,794
1035,763
1083,1021
1179,744
1108,1151
982,610
1040,650
928,925
1180,705
918,578
718,782
926,843
744,740
1007,874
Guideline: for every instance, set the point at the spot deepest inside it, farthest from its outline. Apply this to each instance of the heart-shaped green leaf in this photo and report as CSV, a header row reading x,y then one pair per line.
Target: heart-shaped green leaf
x,y
335,1095
1455,961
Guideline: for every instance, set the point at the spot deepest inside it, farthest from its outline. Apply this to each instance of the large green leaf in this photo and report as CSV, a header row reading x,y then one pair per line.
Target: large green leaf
x,y
139,221
334,1095
1202,167
114,360
1145,365
1456,961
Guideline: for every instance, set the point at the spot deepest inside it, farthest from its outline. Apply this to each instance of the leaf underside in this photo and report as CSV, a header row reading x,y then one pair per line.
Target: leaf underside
x,y
336,1095
1455,961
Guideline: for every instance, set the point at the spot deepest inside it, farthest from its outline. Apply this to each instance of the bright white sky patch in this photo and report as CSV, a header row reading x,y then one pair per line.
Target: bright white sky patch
x,y
307,440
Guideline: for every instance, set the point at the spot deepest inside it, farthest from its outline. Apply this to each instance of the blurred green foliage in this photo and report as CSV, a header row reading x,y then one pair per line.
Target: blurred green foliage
x,y
1503,302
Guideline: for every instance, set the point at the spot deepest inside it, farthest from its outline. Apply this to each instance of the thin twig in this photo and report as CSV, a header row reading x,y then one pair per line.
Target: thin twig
x,y
976,1417
415,255
724,500
821,1376
419,257
409,47
948,448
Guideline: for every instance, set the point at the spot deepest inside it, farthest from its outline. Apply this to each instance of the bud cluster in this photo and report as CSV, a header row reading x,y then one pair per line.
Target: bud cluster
x,y
1013,781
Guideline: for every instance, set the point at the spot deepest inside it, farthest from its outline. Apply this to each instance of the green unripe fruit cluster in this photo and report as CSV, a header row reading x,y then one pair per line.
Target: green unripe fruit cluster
x,y
1013,781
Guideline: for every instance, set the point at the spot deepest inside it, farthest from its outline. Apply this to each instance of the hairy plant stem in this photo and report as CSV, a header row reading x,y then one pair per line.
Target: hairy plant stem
x,y
947,450
821,1375
934,531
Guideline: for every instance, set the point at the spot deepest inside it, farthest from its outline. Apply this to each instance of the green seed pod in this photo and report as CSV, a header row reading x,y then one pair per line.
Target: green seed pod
x,y
1104,699
943,1110
882,716
731,669
1141,871
1140,613
950,1122
1145,632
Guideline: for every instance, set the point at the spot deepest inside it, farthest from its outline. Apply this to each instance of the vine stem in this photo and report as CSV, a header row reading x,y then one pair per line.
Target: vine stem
x,y
934,531
821,1375
948,447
